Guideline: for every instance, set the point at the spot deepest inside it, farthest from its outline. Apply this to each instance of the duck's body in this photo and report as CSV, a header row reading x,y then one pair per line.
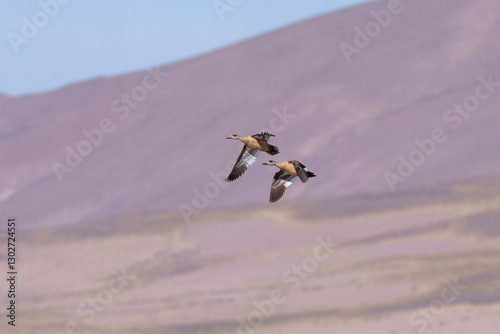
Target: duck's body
x,y
288,167
289,171
258,142
253,145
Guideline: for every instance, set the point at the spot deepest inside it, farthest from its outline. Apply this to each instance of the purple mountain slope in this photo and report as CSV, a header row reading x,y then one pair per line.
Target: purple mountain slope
x,y
348,122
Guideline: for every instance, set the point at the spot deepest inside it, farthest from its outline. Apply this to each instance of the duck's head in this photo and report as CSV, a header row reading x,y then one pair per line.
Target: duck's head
x,y
270,163
235,137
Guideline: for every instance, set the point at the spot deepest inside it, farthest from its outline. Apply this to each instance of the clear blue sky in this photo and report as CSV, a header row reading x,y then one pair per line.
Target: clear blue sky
x,y
84,39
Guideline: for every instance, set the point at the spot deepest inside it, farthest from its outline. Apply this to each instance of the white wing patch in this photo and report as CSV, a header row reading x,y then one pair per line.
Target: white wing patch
x,y
285,181
250,156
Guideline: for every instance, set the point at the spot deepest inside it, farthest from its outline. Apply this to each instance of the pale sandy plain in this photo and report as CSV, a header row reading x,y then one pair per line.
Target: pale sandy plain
x,y
393,257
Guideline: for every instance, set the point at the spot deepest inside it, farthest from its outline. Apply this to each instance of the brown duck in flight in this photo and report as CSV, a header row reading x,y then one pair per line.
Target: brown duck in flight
x,y
289,171
253,145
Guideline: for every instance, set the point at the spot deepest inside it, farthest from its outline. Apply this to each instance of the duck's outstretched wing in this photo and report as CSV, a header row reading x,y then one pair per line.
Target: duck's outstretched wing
x,y
246,158
263,138
266,136
302,171
281,181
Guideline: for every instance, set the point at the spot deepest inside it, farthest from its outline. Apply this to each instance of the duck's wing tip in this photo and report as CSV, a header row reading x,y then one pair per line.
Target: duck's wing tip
x,y
281,181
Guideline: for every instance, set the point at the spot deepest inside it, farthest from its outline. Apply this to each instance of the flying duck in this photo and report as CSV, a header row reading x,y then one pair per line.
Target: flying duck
x,y
253,145
289,170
